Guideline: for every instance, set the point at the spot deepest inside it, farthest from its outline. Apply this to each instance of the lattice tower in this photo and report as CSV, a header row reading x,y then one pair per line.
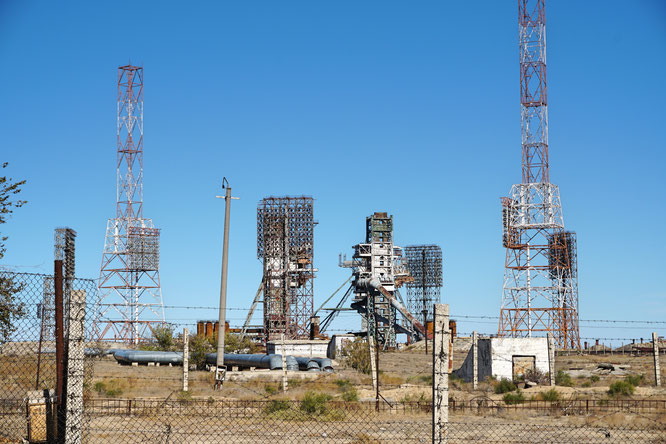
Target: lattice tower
x,y
540,290
424,263
285,245
130,299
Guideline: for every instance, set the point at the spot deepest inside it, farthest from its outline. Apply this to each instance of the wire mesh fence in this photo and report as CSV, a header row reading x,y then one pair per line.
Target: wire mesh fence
x,y
28,349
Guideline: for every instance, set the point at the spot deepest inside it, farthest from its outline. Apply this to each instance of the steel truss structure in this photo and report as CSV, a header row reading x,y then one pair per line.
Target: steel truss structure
x,y
378,258
540,290
424,263
285,245
130,301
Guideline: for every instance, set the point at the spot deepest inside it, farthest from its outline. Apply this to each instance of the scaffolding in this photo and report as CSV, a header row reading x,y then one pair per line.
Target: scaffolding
x,y
130,295
285,245
424,263
540,290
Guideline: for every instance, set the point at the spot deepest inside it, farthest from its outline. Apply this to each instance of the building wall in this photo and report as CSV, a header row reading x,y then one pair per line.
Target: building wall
x,y
306,348
504,349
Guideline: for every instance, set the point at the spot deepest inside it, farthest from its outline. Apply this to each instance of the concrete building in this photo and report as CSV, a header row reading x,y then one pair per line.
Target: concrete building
x,y
299,347
506,358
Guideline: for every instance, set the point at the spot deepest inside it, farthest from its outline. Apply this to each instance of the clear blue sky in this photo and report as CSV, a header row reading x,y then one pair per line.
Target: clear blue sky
x,y
406,107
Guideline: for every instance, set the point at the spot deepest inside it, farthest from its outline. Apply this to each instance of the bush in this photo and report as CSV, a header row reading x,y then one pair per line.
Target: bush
x,y
350,395
513,398
199,347
164,338
314,403
357,355
594,378
586,384
270,389
99,387
535,375
621,388
563,379
634,380
504,386
276,406
550,395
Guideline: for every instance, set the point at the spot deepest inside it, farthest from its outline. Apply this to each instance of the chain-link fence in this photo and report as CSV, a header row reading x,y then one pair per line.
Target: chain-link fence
x,y
28,376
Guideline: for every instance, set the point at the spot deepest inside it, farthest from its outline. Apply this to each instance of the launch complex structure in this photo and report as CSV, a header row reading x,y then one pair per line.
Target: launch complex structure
x,y
540,290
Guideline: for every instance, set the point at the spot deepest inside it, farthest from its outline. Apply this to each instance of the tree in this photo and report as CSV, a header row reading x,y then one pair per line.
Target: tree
x,y
10,309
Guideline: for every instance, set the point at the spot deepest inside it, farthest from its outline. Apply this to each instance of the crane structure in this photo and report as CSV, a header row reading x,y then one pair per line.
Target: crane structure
x,y
285,245
130,297
540,289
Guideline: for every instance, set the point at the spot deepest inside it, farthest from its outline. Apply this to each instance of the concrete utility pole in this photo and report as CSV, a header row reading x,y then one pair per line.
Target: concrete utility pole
x,y
655,349
284,363
440,373
475,360
220,368
551,357
186,358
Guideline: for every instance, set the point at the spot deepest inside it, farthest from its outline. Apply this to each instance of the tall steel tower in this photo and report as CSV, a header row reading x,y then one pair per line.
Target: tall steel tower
x,y
130,300
540,291
424,263
285,245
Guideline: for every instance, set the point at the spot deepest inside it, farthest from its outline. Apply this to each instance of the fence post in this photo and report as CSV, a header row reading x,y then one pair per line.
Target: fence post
x,y
373,364
186,358
284,363
655,350
440,374
551,358
75,366
475,360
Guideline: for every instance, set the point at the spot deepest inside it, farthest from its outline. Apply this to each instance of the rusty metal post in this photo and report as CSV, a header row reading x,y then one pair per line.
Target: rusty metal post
x,y
60,349
655,350
440,374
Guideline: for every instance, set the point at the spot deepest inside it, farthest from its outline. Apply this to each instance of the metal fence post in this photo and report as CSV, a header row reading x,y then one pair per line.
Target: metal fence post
x,y
373,364
75,370
186,357
551,358
440,374
655,350
475,360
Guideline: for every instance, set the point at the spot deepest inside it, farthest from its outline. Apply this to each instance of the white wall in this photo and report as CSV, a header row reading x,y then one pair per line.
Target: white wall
x,y
504,349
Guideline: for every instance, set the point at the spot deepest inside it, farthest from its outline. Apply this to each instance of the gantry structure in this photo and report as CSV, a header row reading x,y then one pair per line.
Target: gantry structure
x,y
285,246
130,296
424,263
540,290
378,260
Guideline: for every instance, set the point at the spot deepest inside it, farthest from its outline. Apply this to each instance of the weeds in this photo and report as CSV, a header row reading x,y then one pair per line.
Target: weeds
x,y
595,378
357,355
634,380
550,395
621,389
513,398
504,386
563,379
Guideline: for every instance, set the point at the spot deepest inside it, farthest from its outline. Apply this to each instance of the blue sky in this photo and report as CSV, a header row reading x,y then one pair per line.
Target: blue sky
x,y
406,107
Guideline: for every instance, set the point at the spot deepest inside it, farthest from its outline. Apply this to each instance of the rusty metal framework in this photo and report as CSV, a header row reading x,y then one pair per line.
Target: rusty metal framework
x,y
130,295
378,258
424,263
285,245
540,290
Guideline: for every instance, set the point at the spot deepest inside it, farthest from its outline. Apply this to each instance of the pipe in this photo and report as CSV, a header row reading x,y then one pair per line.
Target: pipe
x,y
273,362
144,357
325,364
292,364
375,284
308,364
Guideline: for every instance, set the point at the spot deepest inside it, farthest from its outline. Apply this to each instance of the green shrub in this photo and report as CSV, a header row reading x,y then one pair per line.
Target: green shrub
x,y
634,380
513,398
163,337
342,383
270,389
315,403
276,406
504,386
550,395
199,347
100,387
112,393
357,355
621,388
594,378
586,384
350,394
563,379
